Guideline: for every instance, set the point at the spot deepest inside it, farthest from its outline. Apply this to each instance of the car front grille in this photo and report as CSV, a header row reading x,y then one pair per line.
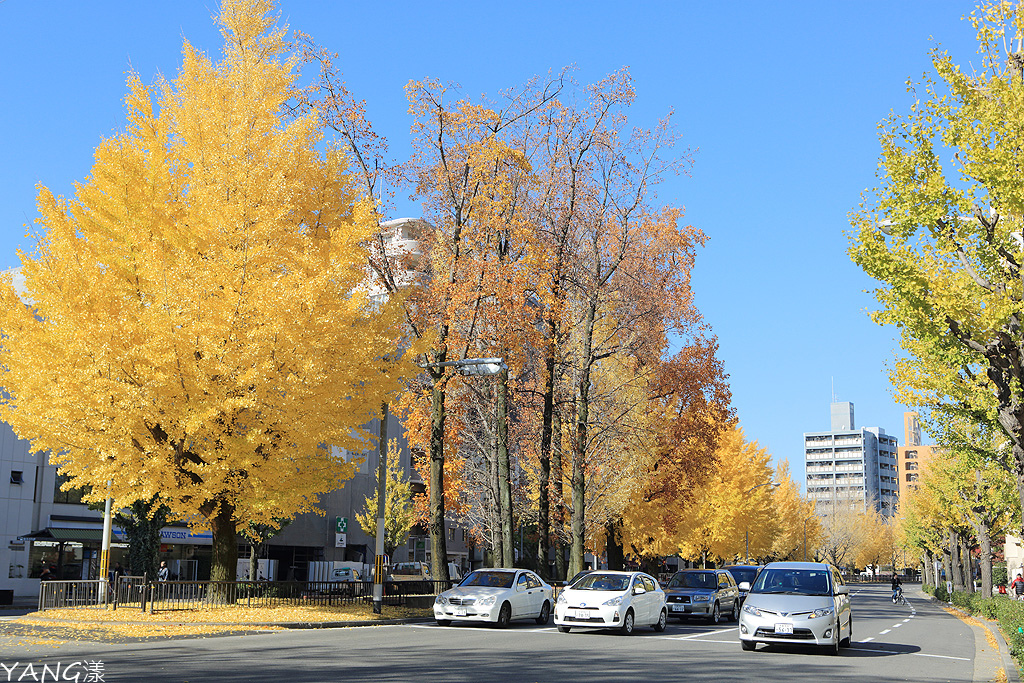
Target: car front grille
x,y
679,598
797,634
462,601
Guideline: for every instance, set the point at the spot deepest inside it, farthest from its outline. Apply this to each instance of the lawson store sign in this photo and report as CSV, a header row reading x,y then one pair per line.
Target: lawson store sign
x,y
181,535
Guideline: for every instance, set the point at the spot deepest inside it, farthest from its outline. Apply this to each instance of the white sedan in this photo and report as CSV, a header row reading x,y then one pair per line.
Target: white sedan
x,y
609,599
497,596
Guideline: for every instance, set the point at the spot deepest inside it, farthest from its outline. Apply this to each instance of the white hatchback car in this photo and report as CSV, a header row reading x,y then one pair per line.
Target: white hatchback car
x,y
802,603
610,599
497,596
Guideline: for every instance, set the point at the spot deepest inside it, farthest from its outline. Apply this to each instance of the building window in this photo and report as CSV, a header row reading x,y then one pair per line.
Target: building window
x,y
71,496
911,466
17,477
911,455
912,477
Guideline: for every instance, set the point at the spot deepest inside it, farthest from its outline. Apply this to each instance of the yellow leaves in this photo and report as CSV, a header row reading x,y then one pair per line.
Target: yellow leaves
x,y
197,320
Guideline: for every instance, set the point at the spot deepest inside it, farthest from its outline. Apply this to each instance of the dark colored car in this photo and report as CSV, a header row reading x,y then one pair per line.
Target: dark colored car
x,y
743,573
707,593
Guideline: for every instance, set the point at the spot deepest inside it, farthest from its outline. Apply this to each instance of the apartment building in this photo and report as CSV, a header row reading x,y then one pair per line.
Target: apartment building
x,y
851,466
913,455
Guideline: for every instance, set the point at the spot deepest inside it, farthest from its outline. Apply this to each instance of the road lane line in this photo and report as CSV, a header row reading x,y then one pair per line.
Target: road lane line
x,y
897,625
906,620
707,633
882,633
897,652
867,640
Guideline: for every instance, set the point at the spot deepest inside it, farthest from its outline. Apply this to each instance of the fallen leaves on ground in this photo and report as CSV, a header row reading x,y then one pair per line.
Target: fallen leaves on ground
x,y
133,624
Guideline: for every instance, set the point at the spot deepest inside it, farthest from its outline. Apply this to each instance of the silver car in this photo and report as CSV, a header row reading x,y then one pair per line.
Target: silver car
x,y
801,603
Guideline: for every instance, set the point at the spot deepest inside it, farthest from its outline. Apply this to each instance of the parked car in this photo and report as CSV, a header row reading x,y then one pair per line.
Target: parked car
x,y
612,599
497,596
743,573
797,602
707,593
579,575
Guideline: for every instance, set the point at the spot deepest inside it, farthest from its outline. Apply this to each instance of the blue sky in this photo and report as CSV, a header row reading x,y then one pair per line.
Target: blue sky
x,y
779,100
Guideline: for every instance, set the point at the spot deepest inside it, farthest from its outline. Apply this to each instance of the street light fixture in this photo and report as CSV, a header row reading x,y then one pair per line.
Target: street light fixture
x,y
773,484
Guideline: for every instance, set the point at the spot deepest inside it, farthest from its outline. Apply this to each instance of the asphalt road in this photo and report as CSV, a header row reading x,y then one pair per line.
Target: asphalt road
x,y
916,642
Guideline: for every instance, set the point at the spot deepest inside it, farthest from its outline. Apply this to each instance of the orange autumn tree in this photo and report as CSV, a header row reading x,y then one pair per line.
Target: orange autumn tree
x,y
195,326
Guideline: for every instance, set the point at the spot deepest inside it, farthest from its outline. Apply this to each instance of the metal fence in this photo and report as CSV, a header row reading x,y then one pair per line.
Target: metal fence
x,y
157,596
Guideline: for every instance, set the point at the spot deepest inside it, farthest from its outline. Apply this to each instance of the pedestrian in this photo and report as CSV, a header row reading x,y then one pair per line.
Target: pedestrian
x,y
1018,587
163,572
46,575
117,573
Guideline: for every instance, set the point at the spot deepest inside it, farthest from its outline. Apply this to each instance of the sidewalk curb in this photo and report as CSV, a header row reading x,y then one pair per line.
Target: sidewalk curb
x,y
232,624
1009,666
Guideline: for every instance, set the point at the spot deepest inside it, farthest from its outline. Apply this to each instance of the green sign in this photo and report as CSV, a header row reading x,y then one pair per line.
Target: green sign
x,y
341,527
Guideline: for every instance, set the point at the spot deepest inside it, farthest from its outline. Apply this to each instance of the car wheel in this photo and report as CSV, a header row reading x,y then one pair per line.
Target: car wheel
x,y
444,622
735,612
662,622
716,613
545,613
564,629
627,624
833,647
504,615
748,645
848,640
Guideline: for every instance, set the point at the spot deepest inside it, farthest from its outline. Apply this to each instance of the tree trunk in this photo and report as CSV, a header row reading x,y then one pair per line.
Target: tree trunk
x,y
504,472
579,450
967,576
438,541
225,554
985,543
947,563
497,547
544,486
556,469
926,569
613,545
956,573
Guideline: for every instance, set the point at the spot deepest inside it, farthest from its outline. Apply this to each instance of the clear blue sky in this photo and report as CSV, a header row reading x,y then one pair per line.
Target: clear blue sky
x,y
780,100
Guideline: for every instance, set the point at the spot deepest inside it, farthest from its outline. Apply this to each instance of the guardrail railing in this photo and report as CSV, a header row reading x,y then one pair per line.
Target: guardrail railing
x,y
158,596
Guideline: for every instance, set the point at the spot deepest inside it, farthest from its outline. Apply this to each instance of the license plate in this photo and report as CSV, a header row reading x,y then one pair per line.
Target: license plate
x,y
460,611
678,608
582,614
783,628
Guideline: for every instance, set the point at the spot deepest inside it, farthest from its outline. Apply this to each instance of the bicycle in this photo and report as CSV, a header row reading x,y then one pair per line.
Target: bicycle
x,y
897,597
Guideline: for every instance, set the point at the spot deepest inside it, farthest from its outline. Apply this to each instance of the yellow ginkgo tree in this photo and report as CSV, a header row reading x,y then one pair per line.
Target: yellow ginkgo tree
x,y
193,324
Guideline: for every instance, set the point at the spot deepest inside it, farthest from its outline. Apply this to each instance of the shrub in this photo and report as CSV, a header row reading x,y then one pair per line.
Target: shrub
x,y
999,575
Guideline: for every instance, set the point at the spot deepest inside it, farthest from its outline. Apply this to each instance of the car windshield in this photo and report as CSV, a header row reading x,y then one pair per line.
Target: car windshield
x,y
490,579
602,582
706,580
742,574
792,582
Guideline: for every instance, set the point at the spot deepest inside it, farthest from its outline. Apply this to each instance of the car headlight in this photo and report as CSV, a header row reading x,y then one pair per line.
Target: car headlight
x,y
750,609
823,612
486,602
614,602
561,599
441,599
701,598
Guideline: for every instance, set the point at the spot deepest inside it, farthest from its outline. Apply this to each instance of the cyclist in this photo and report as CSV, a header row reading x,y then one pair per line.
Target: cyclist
x,y
1018,587
897,588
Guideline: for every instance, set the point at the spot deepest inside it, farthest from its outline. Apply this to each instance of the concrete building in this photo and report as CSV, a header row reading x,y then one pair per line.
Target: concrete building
x,y
913,455
851,466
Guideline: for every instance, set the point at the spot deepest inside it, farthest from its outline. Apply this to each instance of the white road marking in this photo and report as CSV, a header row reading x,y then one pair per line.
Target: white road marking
x,y
884,632
920,654
897,625
867,640
906,620
707,633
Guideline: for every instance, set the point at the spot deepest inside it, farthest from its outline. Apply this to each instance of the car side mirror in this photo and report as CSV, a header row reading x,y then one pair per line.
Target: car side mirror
x,y
842,590
744,586
639,590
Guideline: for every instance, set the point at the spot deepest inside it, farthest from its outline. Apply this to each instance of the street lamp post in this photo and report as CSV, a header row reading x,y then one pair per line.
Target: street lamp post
x,y
773,484
467,367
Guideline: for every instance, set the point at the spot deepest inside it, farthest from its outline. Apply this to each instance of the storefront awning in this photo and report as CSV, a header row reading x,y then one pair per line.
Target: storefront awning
x,y
73,535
